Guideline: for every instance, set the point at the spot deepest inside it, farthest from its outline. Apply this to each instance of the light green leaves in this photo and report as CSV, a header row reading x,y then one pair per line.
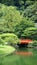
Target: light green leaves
x,y
5,50
10,38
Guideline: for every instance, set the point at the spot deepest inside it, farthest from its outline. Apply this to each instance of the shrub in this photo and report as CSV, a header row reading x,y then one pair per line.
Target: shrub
x,y
10,38
30,45
2,41
30,33
5,50
34,43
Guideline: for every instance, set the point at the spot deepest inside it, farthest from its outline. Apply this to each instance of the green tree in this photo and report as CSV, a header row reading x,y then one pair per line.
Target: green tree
x,y
25,23
12,21
30,33
31,10
9,18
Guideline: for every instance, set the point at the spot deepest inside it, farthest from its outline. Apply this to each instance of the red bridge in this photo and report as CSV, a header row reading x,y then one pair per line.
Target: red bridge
x,y
24,42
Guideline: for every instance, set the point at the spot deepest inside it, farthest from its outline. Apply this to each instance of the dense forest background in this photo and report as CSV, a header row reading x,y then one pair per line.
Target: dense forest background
x,y
19,17
27,8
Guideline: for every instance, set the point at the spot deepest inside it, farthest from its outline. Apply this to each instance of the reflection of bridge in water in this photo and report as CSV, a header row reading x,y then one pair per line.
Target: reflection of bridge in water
x,y
24,53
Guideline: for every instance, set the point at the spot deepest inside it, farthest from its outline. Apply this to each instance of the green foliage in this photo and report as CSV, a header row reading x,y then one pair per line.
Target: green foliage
x,y
10,38
31,10
30,33
5,50
1,41
9,16
26,7
12,21
25,23
30,45
13,2
35,43
8,2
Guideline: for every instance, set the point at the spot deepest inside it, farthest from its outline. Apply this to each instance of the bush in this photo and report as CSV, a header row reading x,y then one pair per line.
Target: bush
x,y
30,45
35,43
5,50
2,41
10,38
30,33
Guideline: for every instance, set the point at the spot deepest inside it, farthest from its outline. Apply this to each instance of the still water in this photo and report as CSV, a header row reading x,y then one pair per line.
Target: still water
x,y
23,56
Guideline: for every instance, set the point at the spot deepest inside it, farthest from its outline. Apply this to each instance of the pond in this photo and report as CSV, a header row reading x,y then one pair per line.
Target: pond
x,y
23,56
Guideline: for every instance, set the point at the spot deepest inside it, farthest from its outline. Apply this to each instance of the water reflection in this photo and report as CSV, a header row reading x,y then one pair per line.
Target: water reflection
x,y
25,51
